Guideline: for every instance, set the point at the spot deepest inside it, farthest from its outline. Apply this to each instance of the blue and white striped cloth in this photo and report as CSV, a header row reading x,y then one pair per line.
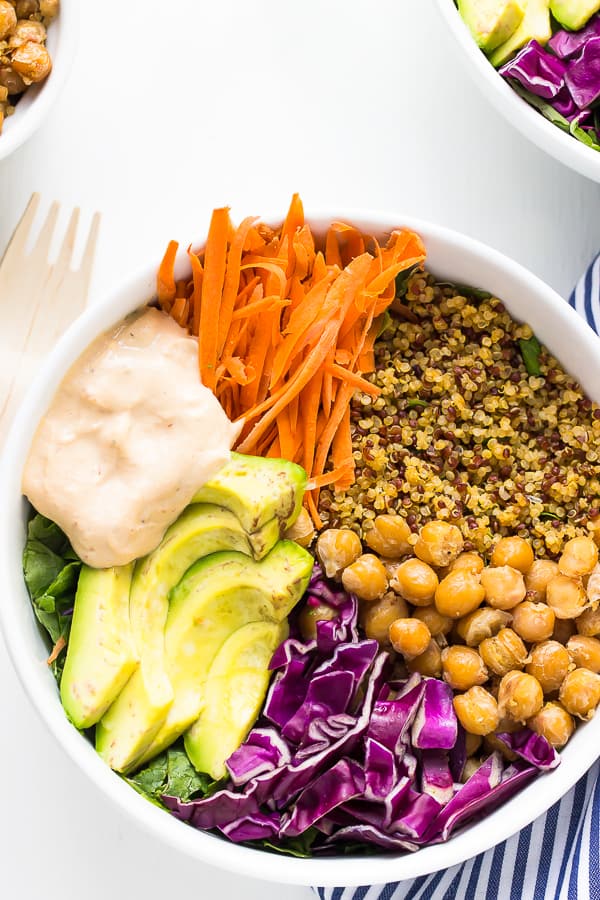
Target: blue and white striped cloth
x,y
557,857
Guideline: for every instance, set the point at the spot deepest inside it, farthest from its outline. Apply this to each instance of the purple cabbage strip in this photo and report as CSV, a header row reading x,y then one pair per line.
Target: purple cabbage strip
x,y
260,826
538,71
328,694
263,750
435,726
436,777
531,747
583,74
566,44
342,782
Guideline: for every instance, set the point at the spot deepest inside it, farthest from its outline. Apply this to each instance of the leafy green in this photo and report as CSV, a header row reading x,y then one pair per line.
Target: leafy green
x,y
51,569
548,111
416,402
297,846
549,515
402,280
530,351
466,290
384,321
171,773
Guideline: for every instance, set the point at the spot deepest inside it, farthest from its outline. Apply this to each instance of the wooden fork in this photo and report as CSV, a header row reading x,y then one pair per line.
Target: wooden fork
x,y
38,300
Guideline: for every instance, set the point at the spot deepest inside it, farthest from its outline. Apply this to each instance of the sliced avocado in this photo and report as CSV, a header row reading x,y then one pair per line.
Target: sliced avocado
x,y
534,27
234,694
101,655
573,14
136,716
265,494
491,22
218,595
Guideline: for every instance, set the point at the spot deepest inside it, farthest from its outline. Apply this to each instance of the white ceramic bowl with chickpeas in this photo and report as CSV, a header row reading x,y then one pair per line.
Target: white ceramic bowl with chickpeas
x,y
451,256
35,60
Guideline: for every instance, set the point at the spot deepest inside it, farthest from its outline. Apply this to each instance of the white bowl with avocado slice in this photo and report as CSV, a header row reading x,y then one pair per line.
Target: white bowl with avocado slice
x,y
547,136
452,257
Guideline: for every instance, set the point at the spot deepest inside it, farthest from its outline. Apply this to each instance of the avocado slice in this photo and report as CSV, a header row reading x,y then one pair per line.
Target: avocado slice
x,y
233,696
218,595
573,14
101,655
491,22
265,494
535,26
130,725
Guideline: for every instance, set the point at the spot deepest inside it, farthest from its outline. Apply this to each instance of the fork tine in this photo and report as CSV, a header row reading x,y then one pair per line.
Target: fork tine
x,y
42,245
65,253
21,232
87,260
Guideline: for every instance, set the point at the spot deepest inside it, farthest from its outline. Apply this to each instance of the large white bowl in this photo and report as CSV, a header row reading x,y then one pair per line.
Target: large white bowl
x,y
528,120
36,102
452,257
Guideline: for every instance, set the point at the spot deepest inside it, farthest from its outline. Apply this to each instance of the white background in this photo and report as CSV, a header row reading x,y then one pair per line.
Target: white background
x,y
176,106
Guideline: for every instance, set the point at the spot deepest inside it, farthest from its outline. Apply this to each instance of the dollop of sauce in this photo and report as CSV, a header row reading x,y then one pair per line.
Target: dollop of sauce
x,y
130,436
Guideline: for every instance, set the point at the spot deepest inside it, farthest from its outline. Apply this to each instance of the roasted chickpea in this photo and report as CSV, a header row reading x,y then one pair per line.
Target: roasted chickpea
x,y
8,19
32,61
554,723
477,711
504,586
588,622
434,620
580,693
503,652
471,765
11,80
472,743
520,696
482,624
537,578
366,577
585,652
337,548
428,663
594,530
302,531
415,581
549,663
463,667
578,558
458,594
566,597
410,637
49,8
592,587
310,615
514,552
389,536
533,621
439,543
27,30
26,8
376,617
468,560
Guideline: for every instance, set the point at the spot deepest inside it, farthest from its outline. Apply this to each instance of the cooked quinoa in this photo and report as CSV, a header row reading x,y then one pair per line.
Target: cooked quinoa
x,y
462,432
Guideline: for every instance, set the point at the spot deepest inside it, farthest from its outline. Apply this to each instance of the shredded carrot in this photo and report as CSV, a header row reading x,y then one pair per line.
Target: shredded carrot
x,y
286,327
56,650
165,282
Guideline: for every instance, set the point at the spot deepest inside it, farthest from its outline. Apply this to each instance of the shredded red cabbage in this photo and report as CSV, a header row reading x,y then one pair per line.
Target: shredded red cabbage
x,y
346,753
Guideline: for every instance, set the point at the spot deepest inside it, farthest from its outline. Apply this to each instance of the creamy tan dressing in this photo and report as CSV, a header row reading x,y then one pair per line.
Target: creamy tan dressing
x,y
129,437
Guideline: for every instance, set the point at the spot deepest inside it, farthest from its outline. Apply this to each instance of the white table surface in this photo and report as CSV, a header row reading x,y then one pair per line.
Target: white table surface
x,y
176,106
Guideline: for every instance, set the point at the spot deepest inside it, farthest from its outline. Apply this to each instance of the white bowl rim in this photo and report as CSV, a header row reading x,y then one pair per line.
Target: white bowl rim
x,y
202,846
531,123
33,108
